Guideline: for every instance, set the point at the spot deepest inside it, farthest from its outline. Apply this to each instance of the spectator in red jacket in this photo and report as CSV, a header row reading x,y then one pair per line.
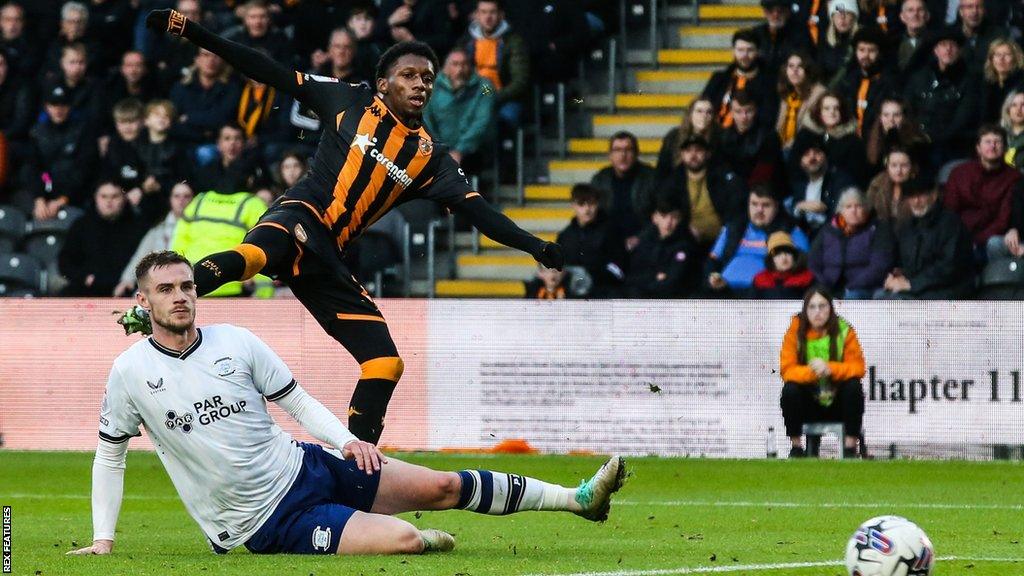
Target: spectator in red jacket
x,y
981,192
785,275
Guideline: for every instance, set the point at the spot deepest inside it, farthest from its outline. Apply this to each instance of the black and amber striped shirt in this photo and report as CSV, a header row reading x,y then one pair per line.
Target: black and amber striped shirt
x,y
368,161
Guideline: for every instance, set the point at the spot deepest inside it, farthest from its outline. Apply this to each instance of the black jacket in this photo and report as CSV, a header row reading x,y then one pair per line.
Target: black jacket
x,y
99,247
755,155
67,152
836,182
676,256
17,109
243,175
122,163
597,248
882,86
774,49
761,88
934,252
945,104
993,95
166,161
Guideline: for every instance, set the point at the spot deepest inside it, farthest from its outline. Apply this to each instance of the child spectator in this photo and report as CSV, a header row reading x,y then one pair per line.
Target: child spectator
x,y
665,263
590,242
164,159
548,285
785,273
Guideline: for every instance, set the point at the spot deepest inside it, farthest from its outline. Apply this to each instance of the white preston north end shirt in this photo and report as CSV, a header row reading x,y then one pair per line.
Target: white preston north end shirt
x,y
205,410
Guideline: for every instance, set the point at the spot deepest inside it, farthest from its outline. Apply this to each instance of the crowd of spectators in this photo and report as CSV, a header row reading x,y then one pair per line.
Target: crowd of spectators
x,y
99,114
872,146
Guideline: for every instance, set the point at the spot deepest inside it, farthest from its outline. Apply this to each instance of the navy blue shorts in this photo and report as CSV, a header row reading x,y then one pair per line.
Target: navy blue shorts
x,y
313,514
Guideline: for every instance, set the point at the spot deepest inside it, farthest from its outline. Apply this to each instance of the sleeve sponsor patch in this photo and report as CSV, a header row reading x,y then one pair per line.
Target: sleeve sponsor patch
x,y
318,78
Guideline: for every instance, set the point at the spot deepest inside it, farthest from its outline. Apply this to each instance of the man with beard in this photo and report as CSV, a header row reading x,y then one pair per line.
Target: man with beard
x,y
745,74
202,395
374,155
866,83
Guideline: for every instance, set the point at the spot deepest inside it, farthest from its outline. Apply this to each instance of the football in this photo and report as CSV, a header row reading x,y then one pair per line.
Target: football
x,y
889,546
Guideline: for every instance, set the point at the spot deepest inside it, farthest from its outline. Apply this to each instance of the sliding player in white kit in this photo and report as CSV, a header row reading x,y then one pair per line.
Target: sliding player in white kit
x,y
201,394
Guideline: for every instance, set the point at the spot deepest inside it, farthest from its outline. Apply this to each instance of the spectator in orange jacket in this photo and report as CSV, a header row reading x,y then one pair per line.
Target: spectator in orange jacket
x,y
821,364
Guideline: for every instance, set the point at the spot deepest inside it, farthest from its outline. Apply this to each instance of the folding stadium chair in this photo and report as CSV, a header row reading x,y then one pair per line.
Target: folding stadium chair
x,y
20,271
44,247
12,227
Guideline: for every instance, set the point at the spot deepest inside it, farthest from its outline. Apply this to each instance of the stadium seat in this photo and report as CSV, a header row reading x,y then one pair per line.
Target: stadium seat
x,y
12,227
44,247
815,430
20,271
16,292
58,225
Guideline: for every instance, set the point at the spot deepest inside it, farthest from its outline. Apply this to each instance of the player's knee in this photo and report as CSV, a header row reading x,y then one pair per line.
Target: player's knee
x,y
407,540
447,487
384,368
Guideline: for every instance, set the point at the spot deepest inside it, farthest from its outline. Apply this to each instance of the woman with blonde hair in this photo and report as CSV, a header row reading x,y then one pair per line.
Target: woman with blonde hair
x,y
821,363
1013,122
1004,73
799,90
698,120
837,46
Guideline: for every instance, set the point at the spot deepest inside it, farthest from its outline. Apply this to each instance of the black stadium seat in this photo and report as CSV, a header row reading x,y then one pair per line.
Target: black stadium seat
x,y
20,271
12,227
58,225
44,247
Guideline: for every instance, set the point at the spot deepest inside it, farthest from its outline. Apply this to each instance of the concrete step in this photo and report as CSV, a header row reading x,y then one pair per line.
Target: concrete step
x,y
653,101
671,81
600,146
543,219
488,244
480,289
717,37
731,12
551,192
642,125
573,171
693,56
496,265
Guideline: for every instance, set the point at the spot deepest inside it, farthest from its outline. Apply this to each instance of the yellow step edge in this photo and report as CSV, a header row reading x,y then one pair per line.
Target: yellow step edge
x,y
551,192
617,119
600,146
486,242
708,30
671,75
496,260
576,164
539,213
653,100
731,12
480,288
694,56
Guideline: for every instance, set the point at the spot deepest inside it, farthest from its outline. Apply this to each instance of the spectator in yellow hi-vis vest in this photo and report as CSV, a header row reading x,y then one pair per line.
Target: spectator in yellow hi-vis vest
x,y
821,364
214,222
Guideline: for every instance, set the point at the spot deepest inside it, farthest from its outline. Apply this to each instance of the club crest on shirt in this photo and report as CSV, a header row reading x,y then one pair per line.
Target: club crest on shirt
x,y
426,147
300,233
322,538
225,367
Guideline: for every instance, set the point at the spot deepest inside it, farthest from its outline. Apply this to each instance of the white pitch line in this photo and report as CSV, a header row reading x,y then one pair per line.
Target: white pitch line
x,y
750,504
30,496
755,567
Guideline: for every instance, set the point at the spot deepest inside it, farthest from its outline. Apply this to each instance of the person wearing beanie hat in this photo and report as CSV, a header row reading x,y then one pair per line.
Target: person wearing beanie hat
x,y
943,96
835,49
785,275
865,82
780,34
933,255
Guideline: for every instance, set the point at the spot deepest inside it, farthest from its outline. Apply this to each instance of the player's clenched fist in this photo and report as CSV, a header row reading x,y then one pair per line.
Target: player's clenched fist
x,y
367,456
170,21
551,256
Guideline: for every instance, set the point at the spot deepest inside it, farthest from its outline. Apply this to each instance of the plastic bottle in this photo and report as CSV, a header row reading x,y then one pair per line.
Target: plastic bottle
x,y
770,450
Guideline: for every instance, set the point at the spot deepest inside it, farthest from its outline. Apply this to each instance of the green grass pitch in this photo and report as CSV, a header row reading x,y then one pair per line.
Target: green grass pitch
x,y
674,516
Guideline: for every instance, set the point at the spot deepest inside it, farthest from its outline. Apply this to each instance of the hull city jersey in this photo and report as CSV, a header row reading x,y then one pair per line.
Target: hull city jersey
x,y
368,161
205,411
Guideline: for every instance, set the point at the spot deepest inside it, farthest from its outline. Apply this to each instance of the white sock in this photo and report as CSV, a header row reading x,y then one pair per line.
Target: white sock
x,y
498,493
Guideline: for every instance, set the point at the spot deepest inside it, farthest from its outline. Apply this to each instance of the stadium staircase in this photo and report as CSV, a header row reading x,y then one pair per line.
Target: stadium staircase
x,y
649,100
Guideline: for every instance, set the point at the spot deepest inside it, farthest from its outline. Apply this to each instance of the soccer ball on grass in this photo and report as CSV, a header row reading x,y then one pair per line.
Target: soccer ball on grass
x,y
889,546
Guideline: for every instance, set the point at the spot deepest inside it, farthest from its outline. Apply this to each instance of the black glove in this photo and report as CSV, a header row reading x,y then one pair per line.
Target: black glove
x,y
170,21
551,256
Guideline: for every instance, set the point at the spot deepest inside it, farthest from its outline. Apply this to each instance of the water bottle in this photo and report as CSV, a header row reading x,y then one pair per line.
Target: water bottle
x,y
770,450
825,394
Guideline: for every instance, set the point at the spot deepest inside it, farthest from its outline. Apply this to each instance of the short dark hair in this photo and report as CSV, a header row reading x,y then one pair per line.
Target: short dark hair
x,y
990,128
746,35
743,98
391,55
585,193
764,190
499,3
667,205
156,260
367,7
230,126
624,135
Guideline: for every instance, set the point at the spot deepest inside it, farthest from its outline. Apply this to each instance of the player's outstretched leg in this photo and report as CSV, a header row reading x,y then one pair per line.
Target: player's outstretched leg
x,y
370,533
265,245
405,487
